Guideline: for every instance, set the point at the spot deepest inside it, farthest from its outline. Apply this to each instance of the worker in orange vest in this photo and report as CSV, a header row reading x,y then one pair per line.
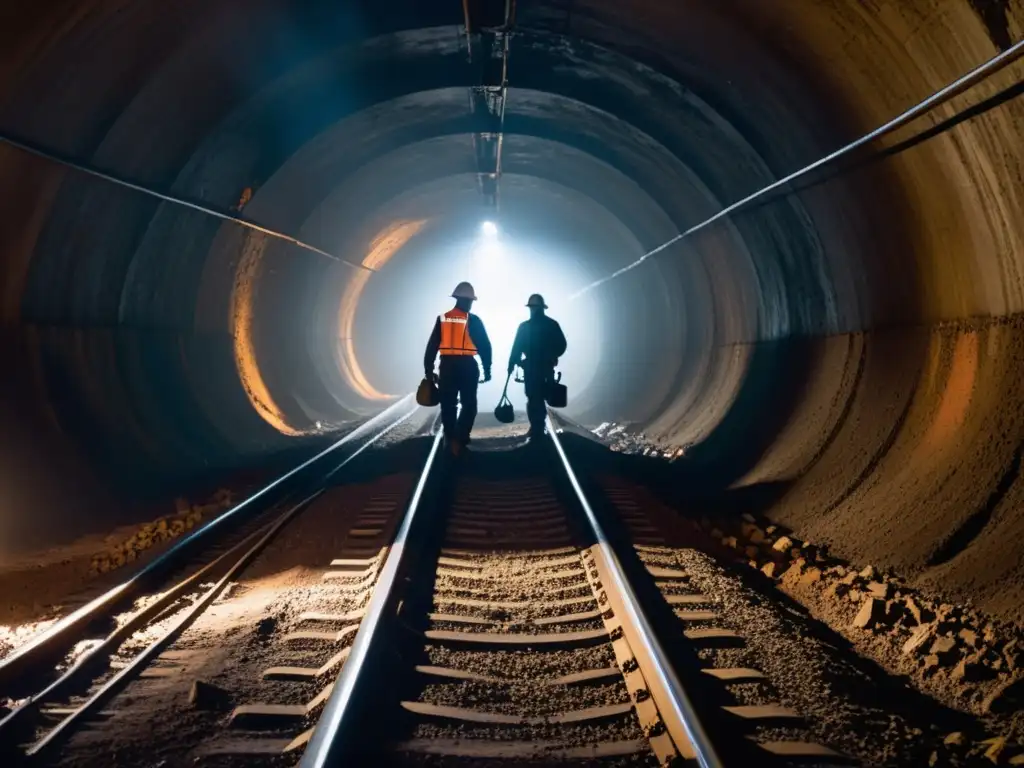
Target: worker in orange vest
x,y
459,336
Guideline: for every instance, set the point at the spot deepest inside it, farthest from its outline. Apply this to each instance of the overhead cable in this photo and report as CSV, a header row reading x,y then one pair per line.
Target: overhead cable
x,y
47,155
972,78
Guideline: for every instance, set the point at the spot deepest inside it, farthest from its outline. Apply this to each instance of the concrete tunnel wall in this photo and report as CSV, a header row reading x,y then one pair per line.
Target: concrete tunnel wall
x,y
852,350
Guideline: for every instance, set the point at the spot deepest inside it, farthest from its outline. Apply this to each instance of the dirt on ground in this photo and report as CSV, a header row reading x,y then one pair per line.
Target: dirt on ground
x,y
166,716
886,667
37,588
900,447
966,667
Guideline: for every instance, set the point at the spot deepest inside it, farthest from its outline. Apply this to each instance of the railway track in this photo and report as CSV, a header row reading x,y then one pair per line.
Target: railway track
x,y
505,609
65,676
511,633
521,656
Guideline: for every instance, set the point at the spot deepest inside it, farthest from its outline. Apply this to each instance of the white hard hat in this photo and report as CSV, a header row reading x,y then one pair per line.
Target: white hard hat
x,y
464,291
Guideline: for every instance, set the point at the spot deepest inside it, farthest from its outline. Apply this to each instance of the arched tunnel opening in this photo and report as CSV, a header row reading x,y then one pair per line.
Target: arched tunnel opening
x,y
842,358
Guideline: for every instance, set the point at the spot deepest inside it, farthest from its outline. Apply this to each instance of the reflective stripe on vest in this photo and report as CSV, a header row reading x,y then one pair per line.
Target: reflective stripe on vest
x,y
455,339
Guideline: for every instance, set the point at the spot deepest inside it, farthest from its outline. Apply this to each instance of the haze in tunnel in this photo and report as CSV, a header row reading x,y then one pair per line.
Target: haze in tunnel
x,y
398,307
844,358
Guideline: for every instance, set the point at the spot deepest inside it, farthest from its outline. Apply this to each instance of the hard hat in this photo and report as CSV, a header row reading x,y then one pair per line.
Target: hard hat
x,y
464,291
536,301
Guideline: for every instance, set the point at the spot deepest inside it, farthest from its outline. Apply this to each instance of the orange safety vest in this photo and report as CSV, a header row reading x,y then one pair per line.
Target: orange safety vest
x,y
455,339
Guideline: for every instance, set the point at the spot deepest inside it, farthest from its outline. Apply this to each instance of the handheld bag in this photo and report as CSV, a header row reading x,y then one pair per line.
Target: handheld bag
x,y
557,395
504,412
427,394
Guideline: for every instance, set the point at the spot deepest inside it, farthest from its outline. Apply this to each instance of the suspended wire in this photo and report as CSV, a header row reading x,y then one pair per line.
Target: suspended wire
x,y
47,155
987,105
972,78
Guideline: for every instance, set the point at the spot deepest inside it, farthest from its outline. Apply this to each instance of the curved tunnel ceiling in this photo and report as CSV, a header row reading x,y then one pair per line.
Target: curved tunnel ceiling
x,y
853,347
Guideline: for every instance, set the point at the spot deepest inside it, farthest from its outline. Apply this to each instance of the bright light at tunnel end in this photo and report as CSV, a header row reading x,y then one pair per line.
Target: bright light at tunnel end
x,y
504,271
489,247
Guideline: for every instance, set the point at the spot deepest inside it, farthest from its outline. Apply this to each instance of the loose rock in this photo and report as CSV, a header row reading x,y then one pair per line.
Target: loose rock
x,y
871,613
784,544
918,640
914,610
878,589
1005,698
971,669
944,648
969,636
811,576
995,748
1011,654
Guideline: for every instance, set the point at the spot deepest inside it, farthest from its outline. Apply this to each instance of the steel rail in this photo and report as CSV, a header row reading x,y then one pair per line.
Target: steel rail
x,y
48,642
154,649
109,645
31,149
938,98
325,747
667,690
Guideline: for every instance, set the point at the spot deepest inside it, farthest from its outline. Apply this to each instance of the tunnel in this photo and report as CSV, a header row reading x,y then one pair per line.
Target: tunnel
x,y
843,357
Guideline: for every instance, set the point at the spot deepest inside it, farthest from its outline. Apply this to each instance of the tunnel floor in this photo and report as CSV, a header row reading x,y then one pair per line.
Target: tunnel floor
x,y
884,673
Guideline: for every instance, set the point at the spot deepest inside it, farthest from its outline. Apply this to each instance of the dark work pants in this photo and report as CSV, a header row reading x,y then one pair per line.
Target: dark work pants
x,y
536,389
459,377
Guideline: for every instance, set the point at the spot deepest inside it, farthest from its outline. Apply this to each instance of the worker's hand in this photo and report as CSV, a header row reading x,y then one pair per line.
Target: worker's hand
x,y
487,375
429,375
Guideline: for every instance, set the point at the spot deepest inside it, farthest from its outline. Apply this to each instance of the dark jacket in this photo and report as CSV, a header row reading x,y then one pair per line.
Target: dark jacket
x,y
541,341
477,333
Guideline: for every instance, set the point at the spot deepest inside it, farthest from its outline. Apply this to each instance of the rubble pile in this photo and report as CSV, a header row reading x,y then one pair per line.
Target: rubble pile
x,y
620,440
950,649
186,517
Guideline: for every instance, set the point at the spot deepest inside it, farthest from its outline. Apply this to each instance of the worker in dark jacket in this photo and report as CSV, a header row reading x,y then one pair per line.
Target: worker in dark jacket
x,y
459,336
538,345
